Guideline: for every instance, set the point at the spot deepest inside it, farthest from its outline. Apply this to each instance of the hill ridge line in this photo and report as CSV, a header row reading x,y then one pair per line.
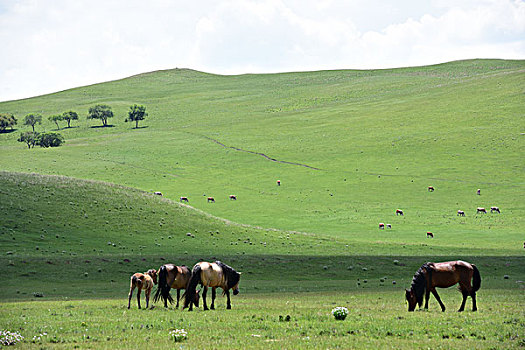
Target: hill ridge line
x,y
256,153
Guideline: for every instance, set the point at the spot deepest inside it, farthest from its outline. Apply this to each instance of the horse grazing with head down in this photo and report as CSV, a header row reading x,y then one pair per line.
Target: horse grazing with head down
x,y
443,275
461,213
399,212
176,277
481,210
430,188
141,281
211,200
216,274
184,199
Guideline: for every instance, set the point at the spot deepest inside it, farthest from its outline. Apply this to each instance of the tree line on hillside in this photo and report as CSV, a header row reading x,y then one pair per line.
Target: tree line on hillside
x,y
33,138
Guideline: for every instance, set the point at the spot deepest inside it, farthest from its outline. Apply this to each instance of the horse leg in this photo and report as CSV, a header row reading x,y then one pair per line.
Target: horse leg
x,y
205,290
178,297
138,296
427,296
465,295
130,295
438,299
228,304
213,293
474,307
147,297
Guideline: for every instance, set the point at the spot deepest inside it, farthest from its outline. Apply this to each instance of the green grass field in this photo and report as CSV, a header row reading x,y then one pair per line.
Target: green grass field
x,y
349,148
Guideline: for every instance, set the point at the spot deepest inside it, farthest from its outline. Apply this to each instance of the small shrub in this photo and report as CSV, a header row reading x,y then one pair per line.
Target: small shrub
x,y
178,335
340,312
10,338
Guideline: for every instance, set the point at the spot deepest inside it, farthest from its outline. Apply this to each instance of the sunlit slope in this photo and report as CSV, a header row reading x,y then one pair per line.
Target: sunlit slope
x,y
362,144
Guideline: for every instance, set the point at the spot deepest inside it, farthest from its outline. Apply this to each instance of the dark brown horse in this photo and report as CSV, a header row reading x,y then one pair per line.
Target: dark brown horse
x,y
184,199
211,200
443,275
176,277
142,281
430,234
212,275
399,212
430,188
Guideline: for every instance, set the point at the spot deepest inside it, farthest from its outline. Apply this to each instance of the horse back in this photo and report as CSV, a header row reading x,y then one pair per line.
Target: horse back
x,y
447,274
211,275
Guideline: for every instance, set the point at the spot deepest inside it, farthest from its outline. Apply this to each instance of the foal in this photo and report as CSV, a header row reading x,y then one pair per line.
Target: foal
x,y
141,281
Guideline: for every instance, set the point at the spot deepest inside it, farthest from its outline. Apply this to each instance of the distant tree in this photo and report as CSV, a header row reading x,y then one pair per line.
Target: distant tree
x,y
56,119
29,137
136,113
102,112
69,116
6,121
33,119
49,139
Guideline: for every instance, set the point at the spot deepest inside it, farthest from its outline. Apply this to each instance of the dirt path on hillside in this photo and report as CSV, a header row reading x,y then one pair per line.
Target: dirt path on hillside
x,y
256,153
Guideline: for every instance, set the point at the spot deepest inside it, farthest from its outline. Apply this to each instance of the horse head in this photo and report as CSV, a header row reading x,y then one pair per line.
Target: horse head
x,y
153,274
411,299
196,298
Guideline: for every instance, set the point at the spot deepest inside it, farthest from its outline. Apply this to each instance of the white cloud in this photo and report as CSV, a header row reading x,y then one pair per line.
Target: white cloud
x,y
49,46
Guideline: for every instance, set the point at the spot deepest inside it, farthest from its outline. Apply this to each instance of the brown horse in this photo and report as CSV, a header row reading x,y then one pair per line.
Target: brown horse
x,y
211,199
443,275
481,210
184,199
461,213
430,188
212,275
176,277
233,197
381,226
142,281
399,212
430,234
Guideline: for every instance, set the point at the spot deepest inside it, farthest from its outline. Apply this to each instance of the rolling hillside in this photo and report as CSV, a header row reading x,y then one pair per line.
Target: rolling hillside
x,y
354,146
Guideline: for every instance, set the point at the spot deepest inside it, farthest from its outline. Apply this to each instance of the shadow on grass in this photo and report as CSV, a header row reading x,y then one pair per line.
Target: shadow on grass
x,y
109,275
102,126
7,131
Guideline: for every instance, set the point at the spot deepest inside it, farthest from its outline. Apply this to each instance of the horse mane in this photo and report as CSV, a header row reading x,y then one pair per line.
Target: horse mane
x,y
232,277
419,281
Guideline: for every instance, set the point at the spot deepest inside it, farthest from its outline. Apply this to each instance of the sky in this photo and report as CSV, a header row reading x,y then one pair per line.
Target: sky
x,y
53,45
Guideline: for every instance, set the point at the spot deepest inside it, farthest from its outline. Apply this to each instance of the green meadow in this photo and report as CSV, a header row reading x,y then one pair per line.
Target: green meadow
x,y
349,147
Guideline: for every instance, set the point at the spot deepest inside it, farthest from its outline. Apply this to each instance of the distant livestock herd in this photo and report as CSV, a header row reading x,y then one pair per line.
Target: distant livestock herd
x,y
479,210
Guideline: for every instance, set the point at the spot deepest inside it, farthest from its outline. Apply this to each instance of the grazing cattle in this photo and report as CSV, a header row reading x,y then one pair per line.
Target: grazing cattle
x,y
399,212
430,234
233,197
381,226
431,188
212,275
141,281
478,192
494,209
278,182
481,210
388,226
461,213
176,277
443,275
184,199
211,200
158,193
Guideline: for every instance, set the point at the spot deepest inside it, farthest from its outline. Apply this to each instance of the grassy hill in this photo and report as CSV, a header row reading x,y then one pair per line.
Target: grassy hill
x,y
378,138
349,148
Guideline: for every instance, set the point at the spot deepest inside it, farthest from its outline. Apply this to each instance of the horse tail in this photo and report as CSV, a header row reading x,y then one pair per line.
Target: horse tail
x,y
195,279
135,281
163,289
476,279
